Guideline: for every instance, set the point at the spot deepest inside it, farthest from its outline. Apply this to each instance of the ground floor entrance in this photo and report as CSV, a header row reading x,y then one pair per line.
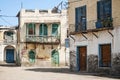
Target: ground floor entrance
x,y
82,58
10,55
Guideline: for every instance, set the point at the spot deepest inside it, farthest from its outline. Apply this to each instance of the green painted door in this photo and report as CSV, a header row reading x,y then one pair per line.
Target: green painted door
x,y
32,56
55,58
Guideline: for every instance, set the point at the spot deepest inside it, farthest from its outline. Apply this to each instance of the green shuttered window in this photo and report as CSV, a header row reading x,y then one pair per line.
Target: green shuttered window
x,y
54,29
31,29
43,29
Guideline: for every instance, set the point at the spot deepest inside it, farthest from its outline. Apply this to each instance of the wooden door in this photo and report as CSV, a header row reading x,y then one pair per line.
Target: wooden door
x,y
82,56
10,55
106,55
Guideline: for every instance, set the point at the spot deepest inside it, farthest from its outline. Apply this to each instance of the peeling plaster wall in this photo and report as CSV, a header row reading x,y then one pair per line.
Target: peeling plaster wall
x,y
48,18
43,55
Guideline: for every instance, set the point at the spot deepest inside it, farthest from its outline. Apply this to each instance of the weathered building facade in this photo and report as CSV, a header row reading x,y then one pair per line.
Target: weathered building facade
x,y
94,33
41,37
8,45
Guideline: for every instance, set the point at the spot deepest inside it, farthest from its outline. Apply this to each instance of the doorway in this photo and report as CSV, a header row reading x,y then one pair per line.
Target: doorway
x,y
10,55
82,58
55,58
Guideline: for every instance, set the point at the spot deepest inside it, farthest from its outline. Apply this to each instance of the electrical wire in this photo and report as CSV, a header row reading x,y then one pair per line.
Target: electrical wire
x,y
5,21
6,16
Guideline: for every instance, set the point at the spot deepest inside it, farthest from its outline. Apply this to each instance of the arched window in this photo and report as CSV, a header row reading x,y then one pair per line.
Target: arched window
x,y
8,35
43,30
31,29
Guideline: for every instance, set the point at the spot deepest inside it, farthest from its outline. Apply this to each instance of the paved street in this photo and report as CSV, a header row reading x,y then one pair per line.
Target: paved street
x,y
34,73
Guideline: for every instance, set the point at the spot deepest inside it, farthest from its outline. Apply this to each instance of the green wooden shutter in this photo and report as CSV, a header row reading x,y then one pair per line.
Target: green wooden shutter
x,y
34,29
31,29
45,29
54,29
40,30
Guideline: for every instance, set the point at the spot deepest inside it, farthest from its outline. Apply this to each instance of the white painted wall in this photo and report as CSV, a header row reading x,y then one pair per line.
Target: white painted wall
x,y
4,45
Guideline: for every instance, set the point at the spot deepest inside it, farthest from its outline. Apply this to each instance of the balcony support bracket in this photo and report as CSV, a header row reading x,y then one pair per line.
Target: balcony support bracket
x,y
110,33
84,36
95,34
72,37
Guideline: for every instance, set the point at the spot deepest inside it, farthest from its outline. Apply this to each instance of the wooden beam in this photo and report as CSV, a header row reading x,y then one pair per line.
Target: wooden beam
x,y
95,34
110,33
84,36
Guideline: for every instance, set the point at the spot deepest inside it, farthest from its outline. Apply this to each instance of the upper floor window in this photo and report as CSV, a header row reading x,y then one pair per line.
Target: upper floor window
x,y
104,14
8,35
54,29
31,29
43,29
104,9
80,17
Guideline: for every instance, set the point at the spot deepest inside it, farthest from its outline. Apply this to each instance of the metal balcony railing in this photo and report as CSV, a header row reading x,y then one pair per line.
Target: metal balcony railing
x,y
94,25
43,39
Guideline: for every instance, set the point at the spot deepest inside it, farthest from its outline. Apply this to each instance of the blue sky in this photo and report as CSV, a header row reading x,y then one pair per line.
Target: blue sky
x,y
12,7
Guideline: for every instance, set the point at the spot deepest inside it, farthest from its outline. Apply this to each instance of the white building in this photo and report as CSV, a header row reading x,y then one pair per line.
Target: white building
x,y
42,37
8,44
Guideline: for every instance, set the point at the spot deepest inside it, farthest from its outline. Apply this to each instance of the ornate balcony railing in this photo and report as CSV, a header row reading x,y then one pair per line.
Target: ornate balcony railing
x,y
43,39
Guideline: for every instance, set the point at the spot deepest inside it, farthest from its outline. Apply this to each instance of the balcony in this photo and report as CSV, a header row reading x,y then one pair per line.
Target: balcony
x,y
106,23
43,39
94,26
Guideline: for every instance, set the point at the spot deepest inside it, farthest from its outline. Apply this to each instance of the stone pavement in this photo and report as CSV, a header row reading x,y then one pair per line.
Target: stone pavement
x,y
36,73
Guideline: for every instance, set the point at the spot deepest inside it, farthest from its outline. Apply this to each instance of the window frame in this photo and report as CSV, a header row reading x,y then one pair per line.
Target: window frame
x,y
33,26
55,27
81,18
102,6
43,29
100,55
